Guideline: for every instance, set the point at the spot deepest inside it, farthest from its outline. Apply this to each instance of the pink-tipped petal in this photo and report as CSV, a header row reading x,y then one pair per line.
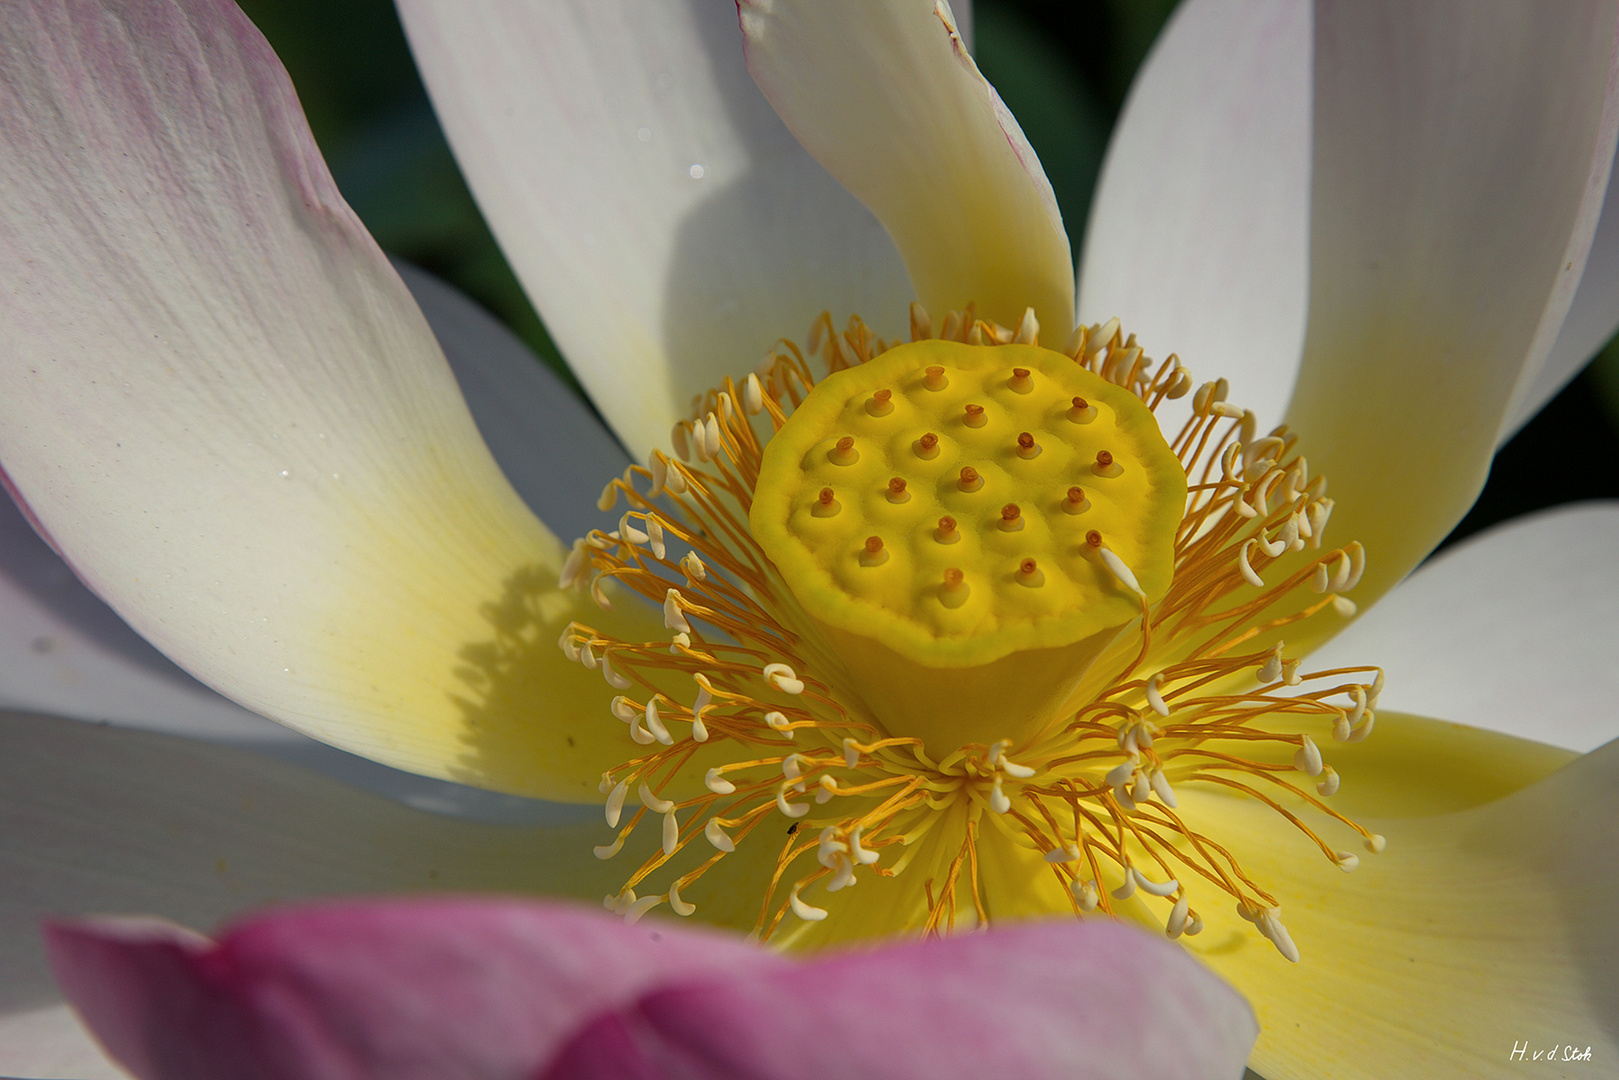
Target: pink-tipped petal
x,y
664,222
233,421
1441,262
424,990
1050,1001
888,99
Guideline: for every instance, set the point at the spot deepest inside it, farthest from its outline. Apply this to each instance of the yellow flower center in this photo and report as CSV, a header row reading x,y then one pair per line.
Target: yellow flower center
x,y
962,616
922,510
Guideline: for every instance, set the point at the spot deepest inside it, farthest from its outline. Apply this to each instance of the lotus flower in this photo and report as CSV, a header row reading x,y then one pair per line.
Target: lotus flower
x,y
222,408
506,990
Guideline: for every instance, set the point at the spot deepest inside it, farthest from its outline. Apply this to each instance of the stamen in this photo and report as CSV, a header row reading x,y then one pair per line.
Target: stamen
x,y
1171,702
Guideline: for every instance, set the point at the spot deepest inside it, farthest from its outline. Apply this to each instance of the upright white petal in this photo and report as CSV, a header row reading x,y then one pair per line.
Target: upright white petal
x,y
1515,630
226,412
1461,157
552,448
886,97
1199,234
664,222
1592,319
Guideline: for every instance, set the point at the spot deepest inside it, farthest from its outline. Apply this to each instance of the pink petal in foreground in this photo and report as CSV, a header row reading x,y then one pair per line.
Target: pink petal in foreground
x,y
505,990
415,990
1062,999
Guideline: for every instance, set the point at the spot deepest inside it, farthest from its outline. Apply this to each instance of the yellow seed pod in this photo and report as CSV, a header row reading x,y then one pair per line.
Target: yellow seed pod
x,y
990,438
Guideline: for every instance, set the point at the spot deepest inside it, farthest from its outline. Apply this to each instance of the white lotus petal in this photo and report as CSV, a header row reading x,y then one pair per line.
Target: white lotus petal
x,y
1199,233
1592,319
1514,630
887,98
227,413
97,819
552,448
666,225
1440,265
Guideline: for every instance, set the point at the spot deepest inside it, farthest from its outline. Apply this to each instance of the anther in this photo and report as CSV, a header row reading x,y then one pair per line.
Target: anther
x,y
1175,925
802,910
975,416
715,835
1081,411
1307,759
716,783
652,802
1075,501
873,554
792,810
1375,843
1347,861
671,833
1328,786
1020,380
1086,894
1026,447
1030,574
615,802
927,447
826,504
896,490
676,904
1155,696
881,403
1153,888
1105,465
934,379
970,480
954,591
946,532
783,678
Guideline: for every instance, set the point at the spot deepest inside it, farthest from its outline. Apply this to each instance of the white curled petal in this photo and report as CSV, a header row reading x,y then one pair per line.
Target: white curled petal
x,y
552,448
1423,325
653,244
1199,236
888,99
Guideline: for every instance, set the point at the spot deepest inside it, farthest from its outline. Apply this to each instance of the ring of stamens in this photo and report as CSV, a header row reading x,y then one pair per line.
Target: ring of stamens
x,y
1199,691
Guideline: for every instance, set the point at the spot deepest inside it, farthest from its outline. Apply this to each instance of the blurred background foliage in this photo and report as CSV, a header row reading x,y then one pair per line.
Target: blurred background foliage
x,y
1063,66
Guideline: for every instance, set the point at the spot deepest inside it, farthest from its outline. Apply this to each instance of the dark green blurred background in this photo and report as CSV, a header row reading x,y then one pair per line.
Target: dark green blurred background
x,y
1063,66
